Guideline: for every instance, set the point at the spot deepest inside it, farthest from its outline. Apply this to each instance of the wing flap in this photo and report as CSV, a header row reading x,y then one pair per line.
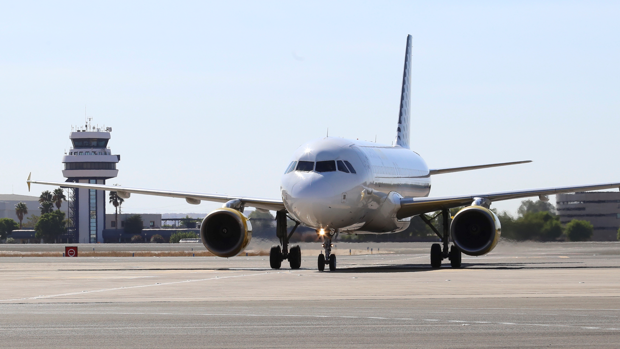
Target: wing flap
x,y
415,206
267,204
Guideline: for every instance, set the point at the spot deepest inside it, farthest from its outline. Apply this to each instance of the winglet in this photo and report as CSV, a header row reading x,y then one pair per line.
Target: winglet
x,y
28,181
402,132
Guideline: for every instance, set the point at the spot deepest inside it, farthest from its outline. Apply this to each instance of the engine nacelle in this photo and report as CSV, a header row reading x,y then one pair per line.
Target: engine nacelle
x,y
225,232
475,230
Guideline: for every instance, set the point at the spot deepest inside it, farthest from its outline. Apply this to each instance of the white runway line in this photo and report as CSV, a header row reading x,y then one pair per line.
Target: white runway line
x,y
382,319
131,287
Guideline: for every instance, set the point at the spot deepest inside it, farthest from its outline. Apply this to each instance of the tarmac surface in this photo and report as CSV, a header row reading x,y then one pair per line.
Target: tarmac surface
x,y
521,295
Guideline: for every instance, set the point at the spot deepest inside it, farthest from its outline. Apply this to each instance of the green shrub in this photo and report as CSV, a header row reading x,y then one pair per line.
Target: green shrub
x,y
176,237
11,241
578,230
7,225
137,238
157,239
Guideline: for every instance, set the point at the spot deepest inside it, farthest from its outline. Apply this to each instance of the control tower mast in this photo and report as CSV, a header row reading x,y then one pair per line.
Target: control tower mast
x,y
89,161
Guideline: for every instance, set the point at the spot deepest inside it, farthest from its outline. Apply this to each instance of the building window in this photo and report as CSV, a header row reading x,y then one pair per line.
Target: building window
x,y
152,224
92,205
122,224
90,166
113,224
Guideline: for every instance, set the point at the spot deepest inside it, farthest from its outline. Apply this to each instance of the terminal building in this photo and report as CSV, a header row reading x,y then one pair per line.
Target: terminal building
x,y
89,160
602,209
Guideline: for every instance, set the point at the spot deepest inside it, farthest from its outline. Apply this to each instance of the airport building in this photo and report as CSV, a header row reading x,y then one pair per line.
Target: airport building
x,y
149,220
602,209
8,202
89,160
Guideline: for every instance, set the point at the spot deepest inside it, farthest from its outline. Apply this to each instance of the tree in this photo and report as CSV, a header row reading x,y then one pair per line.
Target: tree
x,y
46,207
45,196
31,221
529,206
578,230
157,239
115,200
134,225
176,237
58,197
7,225
539,226
46,200
50,226
137,239
20,210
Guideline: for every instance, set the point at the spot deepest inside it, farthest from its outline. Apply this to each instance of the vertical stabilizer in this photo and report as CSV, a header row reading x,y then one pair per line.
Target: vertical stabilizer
x,y
402,133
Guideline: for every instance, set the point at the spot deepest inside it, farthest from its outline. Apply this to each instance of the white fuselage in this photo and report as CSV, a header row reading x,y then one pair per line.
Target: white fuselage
x,y
323,193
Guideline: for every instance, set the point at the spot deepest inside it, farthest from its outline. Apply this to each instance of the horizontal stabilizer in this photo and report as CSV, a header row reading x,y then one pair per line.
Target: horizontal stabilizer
x,y
478,167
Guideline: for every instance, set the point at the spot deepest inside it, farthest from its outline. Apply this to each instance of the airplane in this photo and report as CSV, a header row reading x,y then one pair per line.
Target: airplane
x,y
341,186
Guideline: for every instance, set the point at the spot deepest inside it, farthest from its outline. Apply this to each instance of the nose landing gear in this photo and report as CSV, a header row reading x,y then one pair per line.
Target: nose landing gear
x,y
437,252
277,254
328,258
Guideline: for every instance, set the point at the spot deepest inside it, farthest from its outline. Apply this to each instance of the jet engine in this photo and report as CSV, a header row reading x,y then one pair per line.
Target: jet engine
x,y
226,232
475,230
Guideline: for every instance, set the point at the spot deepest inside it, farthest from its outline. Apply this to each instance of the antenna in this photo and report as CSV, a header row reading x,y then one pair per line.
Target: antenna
x,y
328,132
375,138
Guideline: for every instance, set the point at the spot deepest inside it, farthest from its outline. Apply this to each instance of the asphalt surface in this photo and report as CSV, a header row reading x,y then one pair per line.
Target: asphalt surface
x,y
520,295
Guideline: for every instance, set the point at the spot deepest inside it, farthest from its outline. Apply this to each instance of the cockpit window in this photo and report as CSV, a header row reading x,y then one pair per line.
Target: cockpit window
x,y
342,167
350,166
305,166
326,166
290,167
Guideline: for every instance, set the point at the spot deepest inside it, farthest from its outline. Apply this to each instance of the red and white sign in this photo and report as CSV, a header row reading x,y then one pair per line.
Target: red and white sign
x,y
71,251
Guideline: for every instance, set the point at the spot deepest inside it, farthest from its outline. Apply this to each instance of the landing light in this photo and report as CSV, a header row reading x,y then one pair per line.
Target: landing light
x,y
322,232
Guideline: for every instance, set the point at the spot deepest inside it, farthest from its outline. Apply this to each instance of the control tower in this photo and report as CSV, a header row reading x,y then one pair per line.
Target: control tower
x,y
88,161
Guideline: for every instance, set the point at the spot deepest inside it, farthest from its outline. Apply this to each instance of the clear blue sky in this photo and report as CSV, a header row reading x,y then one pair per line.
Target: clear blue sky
x,y
216,96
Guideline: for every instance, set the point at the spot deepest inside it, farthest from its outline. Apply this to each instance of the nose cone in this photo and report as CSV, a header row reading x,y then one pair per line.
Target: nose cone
x,y
311,197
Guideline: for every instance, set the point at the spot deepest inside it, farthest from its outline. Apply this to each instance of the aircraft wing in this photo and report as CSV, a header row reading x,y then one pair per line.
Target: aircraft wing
x,y
415,206
192,198
477,167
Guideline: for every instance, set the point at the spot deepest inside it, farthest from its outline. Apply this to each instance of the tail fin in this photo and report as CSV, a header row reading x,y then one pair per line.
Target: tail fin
x,y
402,133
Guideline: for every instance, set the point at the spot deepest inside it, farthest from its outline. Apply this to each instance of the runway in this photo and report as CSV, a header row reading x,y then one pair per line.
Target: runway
x,y
521,295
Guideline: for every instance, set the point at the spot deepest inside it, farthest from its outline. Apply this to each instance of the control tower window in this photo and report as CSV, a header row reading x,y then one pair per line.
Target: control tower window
x,y
89,143
326,166
306,166
342,167
90,166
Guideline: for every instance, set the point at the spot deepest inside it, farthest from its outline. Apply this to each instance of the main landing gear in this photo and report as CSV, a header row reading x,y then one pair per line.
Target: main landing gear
x,y
439,252
328,258
277,253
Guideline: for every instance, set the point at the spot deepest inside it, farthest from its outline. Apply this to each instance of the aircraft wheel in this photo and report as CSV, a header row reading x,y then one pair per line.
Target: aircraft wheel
x,y
275,257
455,257
294,257
321,262
332,262
436,256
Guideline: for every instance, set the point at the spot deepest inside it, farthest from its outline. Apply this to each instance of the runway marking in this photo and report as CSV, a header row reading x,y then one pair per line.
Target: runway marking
x,y
131,287
436,322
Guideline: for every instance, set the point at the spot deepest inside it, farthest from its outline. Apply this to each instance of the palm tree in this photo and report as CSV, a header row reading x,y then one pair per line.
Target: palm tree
x,y
20,210
46,207
58,197
116,201
46,196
